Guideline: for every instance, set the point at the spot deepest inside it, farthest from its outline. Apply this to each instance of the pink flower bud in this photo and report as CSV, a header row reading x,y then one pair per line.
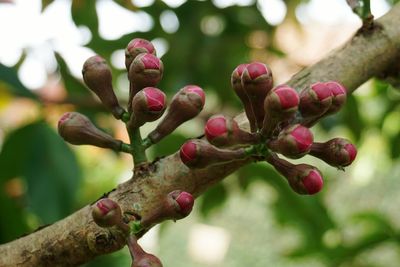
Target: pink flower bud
x,y
145,71
236,82
282,99
302,178
188,152
339,94
147,260
97,76
185,105
106,213
315,100
77,129
184,200
337,152
195,90
257,82
135,47
280,104
294,141
223,131
141,258
147,105
176,205
198,153
155,99
352,152
216,127
312,181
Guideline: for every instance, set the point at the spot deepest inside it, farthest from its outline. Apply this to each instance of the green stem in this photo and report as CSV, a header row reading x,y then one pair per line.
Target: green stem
x,y
251,151
257,150
125,117
147,143
366,9
138,151
126,148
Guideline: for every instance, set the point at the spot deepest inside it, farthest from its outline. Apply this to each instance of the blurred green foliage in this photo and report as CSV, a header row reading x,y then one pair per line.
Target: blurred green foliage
x,y
47,171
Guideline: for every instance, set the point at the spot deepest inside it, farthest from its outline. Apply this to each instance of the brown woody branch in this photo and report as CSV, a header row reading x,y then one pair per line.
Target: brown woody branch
x,y
77,239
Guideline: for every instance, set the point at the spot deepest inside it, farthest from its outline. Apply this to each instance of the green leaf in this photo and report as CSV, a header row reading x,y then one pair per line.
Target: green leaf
x,y
75,88
127,4
352,118
169,144
84,13
119,258
213,199
10,78
305,213
40,157
46,3
395,146
15,224
374,218
256,172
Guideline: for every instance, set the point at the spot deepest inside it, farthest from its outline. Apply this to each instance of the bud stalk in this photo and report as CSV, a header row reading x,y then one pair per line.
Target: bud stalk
x,y
77,129
185,105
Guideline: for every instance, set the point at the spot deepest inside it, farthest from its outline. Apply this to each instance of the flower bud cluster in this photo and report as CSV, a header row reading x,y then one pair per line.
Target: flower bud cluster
x,y
146,103
280,119
107,213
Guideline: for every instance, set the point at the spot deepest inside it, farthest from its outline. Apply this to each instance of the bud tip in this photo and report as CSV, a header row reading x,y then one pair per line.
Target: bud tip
x,y
215,126
188,151
197,90
321,90
304,138
287,96
150,61
313,182
351,149
256,69
185,201
155,98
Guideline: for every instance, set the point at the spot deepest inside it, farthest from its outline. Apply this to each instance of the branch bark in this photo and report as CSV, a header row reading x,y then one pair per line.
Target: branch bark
x,y
77,239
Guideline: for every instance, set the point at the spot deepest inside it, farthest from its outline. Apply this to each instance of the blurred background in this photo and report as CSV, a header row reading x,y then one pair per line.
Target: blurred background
x,y
252,218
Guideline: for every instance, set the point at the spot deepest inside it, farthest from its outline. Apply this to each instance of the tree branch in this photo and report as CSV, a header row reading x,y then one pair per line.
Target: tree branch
x,y
77,239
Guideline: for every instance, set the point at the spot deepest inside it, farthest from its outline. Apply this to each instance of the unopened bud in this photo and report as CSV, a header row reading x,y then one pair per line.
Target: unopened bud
x,y
294,141
97,76
106,213
280,105
145,71
337,152
339,94
314,102
141,258
147,260
77,129
176,205
184,202
198,153
135,47
147,105
236,82
185,105
223,131
302,178
257,82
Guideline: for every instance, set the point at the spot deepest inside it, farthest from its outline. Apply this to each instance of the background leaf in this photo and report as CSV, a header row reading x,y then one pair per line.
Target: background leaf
x,y
40,157
14,85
